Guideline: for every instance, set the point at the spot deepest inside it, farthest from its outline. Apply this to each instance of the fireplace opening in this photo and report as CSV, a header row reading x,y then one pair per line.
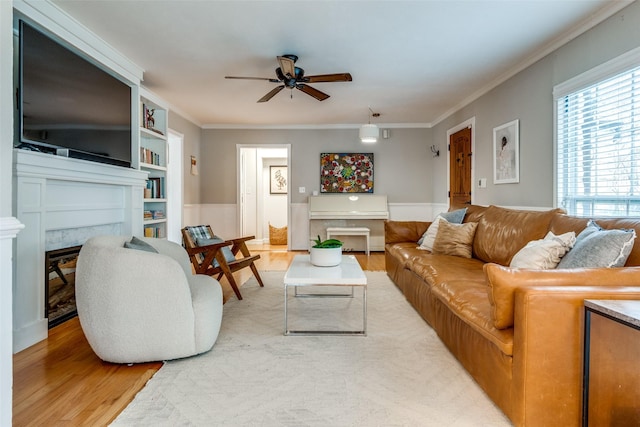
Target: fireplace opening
x,y
60,284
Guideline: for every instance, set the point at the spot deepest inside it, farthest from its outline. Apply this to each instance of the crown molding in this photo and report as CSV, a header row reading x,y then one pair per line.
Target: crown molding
x,y
316,126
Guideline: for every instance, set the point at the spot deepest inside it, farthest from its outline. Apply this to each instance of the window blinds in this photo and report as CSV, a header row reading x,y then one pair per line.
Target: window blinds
x,y
598,147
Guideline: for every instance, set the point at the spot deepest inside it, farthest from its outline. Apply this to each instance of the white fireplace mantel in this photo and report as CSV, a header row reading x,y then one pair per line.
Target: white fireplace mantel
x,y
62,202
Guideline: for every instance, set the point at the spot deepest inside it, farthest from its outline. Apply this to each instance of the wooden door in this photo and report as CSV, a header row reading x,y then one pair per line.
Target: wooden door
x,y
460,167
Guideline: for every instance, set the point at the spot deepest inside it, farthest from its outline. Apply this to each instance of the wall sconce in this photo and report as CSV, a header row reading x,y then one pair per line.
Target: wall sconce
x,y
194,166
435,151
385,133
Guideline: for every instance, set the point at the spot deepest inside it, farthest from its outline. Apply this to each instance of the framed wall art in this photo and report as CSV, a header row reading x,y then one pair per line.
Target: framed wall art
x,y
278,179
506,153
346,173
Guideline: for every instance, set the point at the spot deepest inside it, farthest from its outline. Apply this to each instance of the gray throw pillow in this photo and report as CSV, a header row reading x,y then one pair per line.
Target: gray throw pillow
x,y
140,245
226,250
596,248
454,217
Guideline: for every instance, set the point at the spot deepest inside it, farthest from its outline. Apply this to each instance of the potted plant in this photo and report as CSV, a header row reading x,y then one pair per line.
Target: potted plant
x,y
327,253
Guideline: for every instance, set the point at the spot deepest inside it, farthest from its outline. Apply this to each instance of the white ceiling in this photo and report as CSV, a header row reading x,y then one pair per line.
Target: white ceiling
x,y
414,62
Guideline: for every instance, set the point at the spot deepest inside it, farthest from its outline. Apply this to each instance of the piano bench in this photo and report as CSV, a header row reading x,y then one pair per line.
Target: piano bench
x,y
349,231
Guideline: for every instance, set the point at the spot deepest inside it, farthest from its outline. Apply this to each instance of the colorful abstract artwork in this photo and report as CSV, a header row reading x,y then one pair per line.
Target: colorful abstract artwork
x,y
346,173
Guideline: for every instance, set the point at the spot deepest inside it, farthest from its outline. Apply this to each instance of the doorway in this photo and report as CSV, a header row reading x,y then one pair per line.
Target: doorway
x,y
261,202
174,186
460,165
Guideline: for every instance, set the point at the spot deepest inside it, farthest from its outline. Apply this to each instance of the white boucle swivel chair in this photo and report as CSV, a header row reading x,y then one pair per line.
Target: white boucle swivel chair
x,y
137,306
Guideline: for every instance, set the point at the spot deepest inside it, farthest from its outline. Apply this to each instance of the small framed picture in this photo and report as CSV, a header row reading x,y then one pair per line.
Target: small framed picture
x,y
278,179
506,153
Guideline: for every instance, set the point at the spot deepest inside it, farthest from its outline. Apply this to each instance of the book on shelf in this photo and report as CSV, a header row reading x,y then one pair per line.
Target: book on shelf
x,y
149,157
156,188
157,232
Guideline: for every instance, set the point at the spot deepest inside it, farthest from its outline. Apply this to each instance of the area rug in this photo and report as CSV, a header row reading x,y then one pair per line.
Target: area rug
x,y
400,374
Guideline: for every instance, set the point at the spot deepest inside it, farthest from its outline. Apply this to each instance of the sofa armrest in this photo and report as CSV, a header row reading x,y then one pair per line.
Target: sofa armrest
x,y
404,231
504,281
548,351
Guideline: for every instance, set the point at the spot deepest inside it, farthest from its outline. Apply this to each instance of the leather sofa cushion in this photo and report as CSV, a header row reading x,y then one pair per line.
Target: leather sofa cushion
x,y
503,232
404,251
473,213
404,231
503,282
469,300
434,269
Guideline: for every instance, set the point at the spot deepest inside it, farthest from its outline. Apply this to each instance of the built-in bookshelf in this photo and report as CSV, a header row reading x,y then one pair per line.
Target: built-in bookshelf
x,y
153,159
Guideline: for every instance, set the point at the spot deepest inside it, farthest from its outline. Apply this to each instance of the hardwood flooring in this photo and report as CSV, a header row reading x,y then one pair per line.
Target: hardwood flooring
x,y
61,382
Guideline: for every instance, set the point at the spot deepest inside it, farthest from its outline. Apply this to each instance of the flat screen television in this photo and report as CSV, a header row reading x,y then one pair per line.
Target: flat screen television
x,y
68,105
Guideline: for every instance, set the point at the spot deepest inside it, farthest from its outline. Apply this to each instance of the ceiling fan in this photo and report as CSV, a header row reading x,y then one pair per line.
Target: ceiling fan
x,y
293,77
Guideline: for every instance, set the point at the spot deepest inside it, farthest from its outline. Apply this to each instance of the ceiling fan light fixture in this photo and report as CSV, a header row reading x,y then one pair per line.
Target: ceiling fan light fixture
x,y
369,133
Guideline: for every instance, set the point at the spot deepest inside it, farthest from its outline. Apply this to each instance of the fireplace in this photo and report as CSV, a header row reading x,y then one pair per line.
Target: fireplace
x,y
63,202
59,282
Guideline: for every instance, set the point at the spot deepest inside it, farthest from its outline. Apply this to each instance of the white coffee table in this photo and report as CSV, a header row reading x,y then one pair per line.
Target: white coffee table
x,y
302,273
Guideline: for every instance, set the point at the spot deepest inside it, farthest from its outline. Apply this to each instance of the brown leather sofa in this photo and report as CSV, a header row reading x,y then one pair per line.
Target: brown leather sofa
x,y
531,366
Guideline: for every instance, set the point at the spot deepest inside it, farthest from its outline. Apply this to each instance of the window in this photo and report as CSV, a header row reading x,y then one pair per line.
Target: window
x,y
598,140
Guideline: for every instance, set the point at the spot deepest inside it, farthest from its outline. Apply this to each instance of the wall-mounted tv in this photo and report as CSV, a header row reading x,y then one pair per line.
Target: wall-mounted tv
x,y
68,105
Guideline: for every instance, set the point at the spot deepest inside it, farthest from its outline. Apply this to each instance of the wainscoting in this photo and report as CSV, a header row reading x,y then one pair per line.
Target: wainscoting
x,y
225,217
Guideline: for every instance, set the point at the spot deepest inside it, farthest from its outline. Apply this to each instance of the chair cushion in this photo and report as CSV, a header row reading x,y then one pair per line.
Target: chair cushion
x,y
199,232
226,250
140,245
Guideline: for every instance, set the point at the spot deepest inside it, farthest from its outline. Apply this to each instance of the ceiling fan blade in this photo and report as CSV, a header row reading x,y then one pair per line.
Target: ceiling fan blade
x,y
287,66
253,78
271,94
339,77
320,96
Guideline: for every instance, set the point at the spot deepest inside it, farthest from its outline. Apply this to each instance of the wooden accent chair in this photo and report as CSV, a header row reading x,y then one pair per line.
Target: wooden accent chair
x,y
212,255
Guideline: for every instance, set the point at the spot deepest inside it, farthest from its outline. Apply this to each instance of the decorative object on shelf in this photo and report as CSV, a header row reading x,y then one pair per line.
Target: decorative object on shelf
x,y
506,153
369,133
278,179
151,122
327,253
435,151
194,166
346,173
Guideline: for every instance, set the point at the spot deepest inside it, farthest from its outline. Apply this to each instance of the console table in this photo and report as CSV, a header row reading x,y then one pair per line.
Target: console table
x,y
611,378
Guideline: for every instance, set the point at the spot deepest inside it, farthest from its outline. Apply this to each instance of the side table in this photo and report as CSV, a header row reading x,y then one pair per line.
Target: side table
x,y
611,376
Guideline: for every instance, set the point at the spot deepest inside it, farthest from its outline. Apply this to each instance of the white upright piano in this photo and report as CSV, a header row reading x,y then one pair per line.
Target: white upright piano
x,y
349,210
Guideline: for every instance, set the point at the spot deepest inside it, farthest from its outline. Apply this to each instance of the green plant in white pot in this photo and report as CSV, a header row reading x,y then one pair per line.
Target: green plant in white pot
x,y
326,253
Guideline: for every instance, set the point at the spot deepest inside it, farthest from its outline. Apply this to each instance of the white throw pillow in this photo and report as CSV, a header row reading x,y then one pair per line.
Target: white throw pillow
x,y
430,235
544,254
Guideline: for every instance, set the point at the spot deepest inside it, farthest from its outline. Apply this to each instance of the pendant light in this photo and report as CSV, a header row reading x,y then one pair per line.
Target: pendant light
x,y
369,133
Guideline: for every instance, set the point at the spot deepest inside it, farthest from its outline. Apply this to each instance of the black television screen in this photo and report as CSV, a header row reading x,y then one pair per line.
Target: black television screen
x,y
67,102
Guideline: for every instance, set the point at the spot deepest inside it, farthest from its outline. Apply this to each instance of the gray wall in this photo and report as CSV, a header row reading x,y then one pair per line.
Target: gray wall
x,y
528,97
402,163
191,147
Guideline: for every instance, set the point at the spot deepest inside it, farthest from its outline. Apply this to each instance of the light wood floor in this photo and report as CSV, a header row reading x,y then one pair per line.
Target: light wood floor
x,y
61,382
